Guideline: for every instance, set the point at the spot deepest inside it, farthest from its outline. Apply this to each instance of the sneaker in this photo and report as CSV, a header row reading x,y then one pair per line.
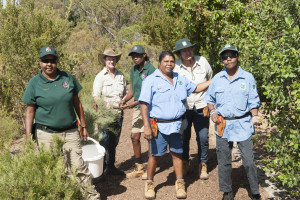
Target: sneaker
x,y
149,189
227,196
114,171
203,171
144,176
180,189
185,167
256,197
137,172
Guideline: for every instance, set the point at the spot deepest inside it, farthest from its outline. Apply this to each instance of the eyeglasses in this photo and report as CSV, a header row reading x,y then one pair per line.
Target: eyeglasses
x,y
52,61
224,57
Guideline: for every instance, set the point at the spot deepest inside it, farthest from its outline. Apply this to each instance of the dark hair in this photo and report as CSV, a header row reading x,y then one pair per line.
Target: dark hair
x,y
164,54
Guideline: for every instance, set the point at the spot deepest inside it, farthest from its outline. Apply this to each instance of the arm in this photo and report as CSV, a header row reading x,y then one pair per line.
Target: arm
x,y
255,119
202,86
30,111
213,113
79,111
128,96
147,127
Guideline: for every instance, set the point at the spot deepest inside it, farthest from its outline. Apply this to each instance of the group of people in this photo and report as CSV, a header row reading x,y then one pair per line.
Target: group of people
x,y
167,101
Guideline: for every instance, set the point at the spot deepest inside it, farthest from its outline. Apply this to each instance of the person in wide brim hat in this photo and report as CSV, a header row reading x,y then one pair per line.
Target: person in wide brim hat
x,y
108,52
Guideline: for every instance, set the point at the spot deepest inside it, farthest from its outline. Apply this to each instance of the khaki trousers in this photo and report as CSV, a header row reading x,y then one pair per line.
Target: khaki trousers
x,y
73,157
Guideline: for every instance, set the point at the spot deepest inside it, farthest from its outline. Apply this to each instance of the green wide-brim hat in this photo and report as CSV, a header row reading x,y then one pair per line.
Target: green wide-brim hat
x,y
48,50
137,49
108,52
229,47
182,44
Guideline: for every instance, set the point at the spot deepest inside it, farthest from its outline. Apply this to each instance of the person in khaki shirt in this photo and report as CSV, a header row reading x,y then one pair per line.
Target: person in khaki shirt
x,y
110,84
197,70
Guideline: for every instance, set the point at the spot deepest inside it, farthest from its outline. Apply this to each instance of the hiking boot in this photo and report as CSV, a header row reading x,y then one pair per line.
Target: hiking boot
x,y
137,172
203,171
185,167
114,171
180,189
256,197
227,196
149,189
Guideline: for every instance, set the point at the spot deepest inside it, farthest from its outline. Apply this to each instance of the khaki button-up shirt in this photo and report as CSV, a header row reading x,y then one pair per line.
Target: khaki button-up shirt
x,y
200,72
111,89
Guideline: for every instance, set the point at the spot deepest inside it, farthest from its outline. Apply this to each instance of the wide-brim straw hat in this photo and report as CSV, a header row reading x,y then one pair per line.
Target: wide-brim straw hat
x,y
108,52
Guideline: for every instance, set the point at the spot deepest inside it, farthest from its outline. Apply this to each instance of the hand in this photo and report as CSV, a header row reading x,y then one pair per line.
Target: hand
x,y
256,120
147,133
214,117
85,134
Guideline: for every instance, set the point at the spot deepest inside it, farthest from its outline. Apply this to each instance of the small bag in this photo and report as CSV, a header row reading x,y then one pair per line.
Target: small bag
x,y
220,126
205,112
153,123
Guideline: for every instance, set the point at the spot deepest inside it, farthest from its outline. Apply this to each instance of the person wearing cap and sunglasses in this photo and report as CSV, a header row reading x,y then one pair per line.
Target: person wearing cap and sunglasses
x,y
138,73
233,99
197,70
110,84
51,98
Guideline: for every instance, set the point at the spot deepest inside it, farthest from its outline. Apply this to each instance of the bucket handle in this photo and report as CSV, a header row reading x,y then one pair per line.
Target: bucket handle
x,y
97,144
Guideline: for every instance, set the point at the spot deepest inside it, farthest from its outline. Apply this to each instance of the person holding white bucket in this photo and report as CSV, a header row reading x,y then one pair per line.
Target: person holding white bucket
x,y
52,100
110,85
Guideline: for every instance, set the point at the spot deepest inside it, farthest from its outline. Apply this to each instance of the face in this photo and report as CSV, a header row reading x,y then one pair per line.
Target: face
x,y
138,58
187,54
230,59
48,64
167,65
110,62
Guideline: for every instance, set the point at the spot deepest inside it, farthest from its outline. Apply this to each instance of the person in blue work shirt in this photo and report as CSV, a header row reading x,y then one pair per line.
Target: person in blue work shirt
x,y
163,97
233,96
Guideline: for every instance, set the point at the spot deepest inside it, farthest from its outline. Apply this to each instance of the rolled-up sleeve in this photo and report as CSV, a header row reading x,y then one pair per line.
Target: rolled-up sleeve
x,y
254,100
146,91
210,96
98,85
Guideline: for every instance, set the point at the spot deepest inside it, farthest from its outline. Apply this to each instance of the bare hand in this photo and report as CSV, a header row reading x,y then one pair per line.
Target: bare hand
x,y
214,118
256,120
147,133
85,134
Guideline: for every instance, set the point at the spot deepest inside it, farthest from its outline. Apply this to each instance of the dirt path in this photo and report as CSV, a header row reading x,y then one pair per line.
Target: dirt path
x,y
120,188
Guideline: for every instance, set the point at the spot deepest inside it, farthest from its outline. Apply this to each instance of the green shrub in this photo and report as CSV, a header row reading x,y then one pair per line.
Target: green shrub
x,y
36,175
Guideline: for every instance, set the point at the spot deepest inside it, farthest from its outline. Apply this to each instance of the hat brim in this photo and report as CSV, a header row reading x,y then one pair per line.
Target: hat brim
x,y
227,50
102,60
177,50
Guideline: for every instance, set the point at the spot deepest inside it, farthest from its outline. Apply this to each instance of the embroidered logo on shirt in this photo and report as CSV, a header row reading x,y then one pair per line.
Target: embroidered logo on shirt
x,y
180,82
254,87
65,85
143,76
243,86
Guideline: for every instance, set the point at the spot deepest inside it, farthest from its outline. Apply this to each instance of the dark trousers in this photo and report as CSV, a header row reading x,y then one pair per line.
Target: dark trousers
x,y
201,125
224,149
110,140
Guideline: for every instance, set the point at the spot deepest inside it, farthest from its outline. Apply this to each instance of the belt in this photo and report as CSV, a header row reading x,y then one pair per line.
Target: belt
x,y
233,118
47,128
168,121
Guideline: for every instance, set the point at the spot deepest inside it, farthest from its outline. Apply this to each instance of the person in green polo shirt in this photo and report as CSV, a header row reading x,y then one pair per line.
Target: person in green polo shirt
x,y
52,100
138,73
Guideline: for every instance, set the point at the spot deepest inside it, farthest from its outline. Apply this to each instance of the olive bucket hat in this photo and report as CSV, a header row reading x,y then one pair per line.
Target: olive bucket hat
x,y
108,52
47,50
182,44
137,49
229,47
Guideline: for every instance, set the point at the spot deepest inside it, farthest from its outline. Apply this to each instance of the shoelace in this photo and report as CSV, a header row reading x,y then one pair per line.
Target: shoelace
x,y
180,184
150,185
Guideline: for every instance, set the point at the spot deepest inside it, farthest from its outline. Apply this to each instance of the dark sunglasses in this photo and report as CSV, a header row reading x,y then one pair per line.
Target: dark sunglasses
x,y
52,61
224,57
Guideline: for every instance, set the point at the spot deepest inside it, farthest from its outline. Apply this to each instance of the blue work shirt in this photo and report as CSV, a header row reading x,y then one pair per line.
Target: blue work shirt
x,y
165,100
234,98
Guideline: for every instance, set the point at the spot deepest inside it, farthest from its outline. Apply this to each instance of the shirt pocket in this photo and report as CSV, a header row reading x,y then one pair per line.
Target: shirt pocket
x,y
162,95
241,101
120,88
220,97
107,89
200,75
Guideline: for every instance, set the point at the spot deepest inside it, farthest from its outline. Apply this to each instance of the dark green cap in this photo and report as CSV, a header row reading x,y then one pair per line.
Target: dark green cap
x,y
183,44
137,49
229,47
47,50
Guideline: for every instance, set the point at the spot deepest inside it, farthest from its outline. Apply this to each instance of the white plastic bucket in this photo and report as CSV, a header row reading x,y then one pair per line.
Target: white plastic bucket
x,y
93,155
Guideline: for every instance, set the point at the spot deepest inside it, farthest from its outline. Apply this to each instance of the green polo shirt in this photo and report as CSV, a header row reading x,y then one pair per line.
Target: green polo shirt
x,y
136,78
53,99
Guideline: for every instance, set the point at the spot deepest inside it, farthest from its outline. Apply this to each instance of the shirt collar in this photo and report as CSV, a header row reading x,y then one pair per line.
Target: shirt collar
x,y
146,66
47,80
239,74
197,60
106,71
158,73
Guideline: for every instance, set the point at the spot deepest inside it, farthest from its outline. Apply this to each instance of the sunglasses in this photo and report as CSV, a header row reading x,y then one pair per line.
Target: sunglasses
x,y
224,57
52,61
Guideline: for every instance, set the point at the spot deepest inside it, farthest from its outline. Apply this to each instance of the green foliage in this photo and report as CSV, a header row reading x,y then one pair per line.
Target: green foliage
x,y
36,175
9,129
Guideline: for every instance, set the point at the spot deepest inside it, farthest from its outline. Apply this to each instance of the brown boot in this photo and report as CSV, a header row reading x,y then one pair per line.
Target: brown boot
x,y
137,172
180,189
185,167
203,171
149,189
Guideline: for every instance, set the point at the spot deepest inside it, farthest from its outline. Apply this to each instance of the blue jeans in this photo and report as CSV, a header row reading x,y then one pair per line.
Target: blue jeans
x,y
110,140
224,149
201,125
